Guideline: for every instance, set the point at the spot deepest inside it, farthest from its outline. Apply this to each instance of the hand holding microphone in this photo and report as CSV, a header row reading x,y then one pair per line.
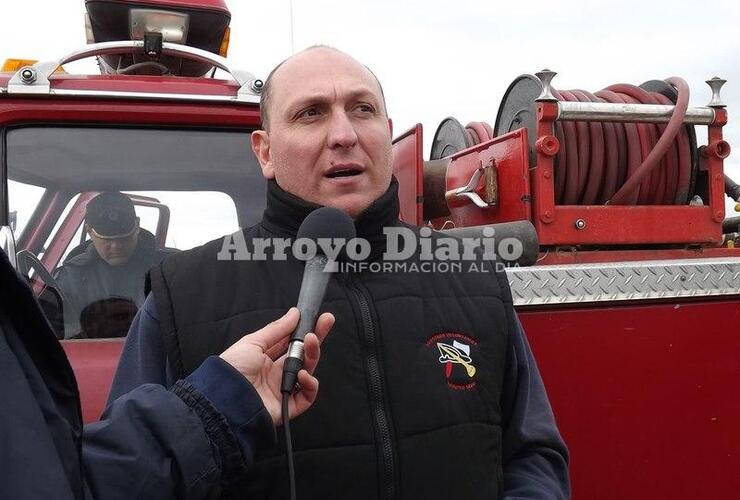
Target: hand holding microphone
x,y
260,356
328,224
323,223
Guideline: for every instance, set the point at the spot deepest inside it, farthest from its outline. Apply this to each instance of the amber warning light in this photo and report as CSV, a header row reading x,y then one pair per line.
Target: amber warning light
x,y
13,65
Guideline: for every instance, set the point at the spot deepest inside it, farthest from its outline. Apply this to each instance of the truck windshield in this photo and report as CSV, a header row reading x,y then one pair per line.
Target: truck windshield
x,y
161,191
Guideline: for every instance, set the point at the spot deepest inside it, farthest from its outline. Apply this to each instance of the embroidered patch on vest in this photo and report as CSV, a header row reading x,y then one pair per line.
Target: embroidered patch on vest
x,y
455,353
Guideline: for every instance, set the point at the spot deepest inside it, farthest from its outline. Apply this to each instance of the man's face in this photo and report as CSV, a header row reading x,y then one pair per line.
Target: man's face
x,y
329,138
116,251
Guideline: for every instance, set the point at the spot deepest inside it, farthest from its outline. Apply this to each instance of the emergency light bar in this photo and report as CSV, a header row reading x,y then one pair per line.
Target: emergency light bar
x,y
203,24
172,25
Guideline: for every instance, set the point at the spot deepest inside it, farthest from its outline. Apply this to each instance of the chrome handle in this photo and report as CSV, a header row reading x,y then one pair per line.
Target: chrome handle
x,y
35,79
468,191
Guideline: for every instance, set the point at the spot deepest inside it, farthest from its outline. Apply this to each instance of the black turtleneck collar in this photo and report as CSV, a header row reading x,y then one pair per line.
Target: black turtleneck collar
x,y
285,213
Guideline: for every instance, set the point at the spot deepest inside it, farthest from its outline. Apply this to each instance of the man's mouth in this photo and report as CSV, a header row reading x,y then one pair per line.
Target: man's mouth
x,y
343,172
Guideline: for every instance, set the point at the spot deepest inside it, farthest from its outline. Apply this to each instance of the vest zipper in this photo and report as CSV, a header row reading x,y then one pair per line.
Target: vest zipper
x,y
380,413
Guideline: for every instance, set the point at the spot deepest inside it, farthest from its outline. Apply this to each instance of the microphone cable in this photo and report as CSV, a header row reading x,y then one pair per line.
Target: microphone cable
x,y
293,365
323,223
288,445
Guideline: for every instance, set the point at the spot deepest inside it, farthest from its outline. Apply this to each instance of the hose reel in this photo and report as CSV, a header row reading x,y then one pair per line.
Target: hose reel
x,y
571,161
597,159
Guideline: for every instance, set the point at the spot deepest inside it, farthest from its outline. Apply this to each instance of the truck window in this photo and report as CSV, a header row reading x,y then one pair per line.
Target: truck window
x,y
187,187
24,201
195,216
77,238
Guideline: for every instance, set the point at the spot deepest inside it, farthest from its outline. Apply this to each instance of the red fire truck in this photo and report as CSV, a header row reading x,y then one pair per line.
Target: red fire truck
x,y
627,279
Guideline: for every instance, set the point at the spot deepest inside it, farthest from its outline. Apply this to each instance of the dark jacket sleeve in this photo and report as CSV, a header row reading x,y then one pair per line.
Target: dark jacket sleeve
x,y
143,360
159,443
535,458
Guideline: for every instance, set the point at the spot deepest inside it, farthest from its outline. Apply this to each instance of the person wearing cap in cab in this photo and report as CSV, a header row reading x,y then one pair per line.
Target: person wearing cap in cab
x,y
102,281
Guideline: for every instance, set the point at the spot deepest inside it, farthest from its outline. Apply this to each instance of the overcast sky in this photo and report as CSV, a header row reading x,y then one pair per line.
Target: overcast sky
x,y
440,58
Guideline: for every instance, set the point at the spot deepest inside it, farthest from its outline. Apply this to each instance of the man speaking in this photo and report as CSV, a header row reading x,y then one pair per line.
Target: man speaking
x,y
429,389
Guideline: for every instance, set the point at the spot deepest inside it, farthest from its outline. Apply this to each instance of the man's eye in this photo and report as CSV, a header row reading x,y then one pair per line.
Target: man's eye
x,y
365,108
309,113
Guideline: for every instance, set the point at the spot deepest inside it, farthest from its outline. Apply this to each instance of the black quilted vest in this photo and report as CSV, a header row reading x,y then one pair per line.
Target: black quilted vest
x,y
411,375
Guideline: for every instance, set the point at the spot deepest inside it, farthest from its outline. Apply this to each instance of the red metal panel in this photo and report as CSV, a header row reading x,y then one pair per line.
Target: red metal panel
x,y
408,167
511,156
627,224
616,224
150,84
543,175
645,396
94,363
119,111
566,256
712,159
139,83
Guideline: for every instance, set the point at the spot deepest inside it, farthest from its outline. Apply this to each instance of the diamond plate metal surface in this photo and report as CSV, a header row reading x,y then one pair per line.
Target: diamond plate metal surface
x,y
614,282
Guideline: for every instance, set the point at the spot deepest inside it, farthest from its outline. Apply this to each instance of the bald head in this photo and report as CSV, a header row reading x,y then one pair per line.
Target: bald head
x,y
326,136
307,56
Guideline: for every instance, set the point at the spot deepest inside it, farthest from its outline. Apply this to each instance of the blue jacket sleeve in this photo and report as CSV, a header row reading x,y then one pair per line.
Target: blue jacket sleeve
x,y
157,443
535,458
226,391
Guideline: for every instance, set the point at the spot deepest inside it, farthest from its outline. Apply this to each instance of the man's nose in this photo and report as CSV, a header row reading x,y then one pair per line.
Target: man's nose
x,y
342,132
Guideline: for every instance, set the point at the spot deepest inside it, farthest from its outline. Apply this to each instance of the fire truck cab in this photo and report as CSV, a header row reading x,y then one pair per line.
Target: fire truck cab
x,y
631,301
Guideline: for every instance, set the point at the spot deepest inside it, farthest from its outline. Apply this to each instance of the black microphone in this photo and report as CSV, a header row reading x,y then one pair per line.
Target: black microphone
x,y
329,223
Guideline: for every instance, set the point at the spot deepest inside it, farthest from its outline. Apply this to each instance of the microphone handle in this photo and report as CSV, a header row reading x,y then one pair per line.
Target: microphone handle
x,y
310,298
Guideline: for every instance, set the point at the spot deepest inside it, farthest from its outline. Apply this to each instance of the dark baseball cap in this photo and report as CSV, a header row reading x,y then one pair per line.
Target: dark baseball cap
x,y
111,215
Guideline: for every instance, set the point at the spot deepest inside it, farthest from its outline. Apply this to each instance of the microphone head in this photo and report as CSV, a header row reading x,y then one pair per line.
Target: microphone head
x,y
327,222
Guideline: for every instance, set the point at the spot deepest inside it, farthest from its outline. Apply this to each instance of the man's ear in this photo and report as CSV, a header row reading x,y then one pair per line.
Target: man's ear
x,y
261,148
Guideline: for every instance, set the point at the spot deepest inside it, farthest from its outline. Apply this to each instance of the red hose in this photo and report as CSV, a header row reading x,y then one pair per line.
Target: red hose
x,y
569,164
595,172
618,163
662,145
583,140
624,163
480,131
656,181
612,156
632,148
682,144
